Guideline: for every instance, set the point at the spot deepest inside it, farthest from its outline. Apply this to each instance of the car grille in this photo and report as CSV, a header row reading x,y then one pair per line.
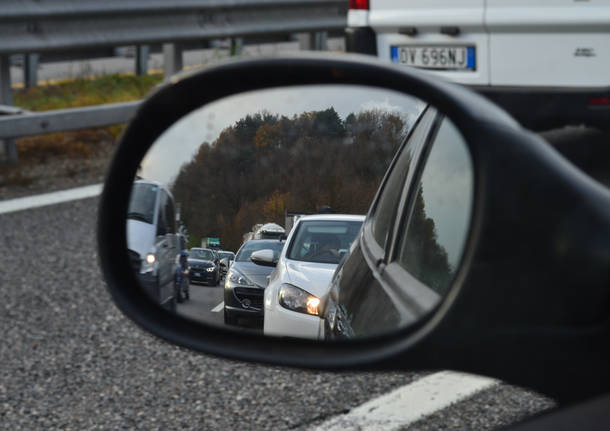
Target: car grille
x,y
254,296
134,260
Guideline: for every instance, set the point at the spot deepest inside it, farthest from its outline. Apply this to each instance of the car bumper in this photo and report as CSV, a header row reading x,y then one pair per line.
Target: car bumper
x,y
244,302
202,276
547,108
361,40
281,322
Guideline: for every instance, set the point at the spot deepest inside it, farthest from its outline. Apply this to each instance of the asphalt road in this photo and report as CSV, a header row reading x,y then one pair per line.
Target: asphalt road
x,y
71,361
203,304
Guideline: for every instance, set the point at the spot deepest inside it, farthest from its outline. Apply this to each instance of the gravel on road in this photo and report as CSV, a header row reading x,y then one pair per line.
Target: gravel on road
x,y
71,360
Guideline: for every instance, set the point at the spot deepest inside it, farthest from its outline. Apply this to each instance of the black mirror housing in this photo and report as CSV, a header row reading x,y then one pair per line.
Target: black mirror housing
x,y
530,298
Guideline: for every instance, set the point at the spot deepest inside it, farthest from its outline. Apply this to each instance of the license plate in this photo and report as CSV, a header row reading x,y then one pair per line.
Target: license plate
x,y
435,57
197,274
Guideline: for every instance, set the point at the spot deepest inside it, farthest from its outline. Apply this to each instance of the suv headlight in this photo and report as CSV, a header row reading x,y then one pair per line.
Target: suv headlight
x,y
296,299
149,263
238,278
210,269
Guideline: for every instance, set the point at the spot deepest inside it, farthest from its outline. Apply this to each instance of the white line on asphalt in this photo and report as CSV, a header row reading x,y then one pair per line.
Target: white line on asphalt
x,y
410,403
219,307
53,198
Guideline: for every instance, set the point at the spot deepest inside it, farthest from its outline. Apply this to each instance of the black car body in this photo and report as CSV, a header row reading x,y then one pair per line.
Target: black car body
x,y
362,302
246,281
203,266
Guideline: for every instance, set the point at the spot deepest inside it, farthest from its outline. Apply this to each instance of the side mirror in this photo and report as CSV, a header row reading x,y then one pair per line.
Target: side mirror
x,y
418,290
224,262
263,258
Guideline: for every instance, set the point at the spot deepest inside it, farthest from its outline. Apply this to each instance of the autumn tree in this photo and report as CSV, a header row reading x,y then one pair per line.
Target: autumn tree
x,y
265,164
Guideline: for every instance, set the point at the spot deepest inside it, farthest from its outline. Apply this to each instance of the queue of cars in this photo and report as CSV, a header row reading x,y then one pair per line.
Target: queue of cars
x,y
281,283
157,248
266,284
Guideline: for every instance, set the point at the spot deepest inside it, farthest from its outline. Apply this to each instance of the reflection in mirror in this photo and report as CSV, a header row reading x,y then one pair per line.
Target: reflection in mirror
x,y
431,234
242,210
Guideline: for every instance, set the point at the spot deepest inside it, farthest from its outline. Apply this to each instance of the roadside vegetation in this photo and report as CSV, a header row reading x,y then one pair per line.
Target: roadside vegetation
x,y
70,154
266,164
72,94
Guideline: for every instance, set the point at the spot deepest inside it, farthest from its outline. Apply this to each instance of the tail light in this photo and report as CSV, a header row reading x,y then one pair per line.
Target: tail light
x,y
599,101
359,4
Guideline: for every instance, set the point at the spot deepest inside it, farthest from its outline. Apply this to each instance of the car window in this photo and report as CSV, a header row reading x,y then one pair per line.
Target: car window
x,y
201,254
243,255
323,241
387,203
439,215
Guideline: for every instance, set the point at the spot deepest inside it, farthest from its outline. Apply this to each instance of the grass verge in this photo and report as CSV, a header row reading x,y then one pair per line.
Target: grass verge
x,y
64,153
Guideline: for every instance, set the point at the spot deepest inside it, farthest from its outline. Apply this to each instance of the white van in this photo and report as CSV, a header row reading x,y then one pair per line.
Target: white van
x,y
152,240
547,61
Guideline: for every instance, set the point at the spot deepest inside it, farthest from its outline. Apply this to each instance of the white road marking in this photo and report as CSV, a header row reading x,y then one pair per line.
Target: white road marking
x,y
53,198
409,403
219,307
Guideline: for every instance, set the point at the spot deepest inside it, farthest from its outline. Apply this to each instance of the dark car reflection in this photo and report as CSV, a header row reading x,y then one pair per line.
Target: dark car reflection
x,y
203,265
245,284
402,266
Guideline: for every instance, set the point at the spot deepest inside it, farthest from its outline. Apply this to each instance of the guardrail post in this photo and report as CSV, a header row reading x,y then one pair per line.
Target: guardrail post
x,y
6,94
304,41
315,41
142,52
6,98
237,46
172,59
30,70
320,40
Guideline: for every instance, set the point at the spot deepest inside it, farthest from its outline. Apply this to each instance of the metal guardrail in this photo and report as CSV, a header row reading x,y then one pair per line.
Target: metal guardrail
x,y
38,26
28,123
54,25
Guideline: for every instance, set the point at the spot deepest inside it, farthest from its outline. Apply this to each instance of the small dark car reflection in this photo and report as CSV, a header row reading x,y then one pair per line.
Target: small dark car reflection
x,y
408,251
203,264
245,284
226,260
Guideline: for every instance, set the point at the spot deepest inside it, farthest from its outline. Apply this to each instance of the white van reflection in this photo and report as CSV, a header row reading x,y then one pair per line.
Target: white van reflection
x,y
152,240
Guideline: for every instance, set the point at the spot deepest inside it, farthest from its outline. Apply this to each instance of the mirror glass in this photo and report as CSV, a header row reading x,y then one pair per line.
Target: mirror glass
x,y
287,174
